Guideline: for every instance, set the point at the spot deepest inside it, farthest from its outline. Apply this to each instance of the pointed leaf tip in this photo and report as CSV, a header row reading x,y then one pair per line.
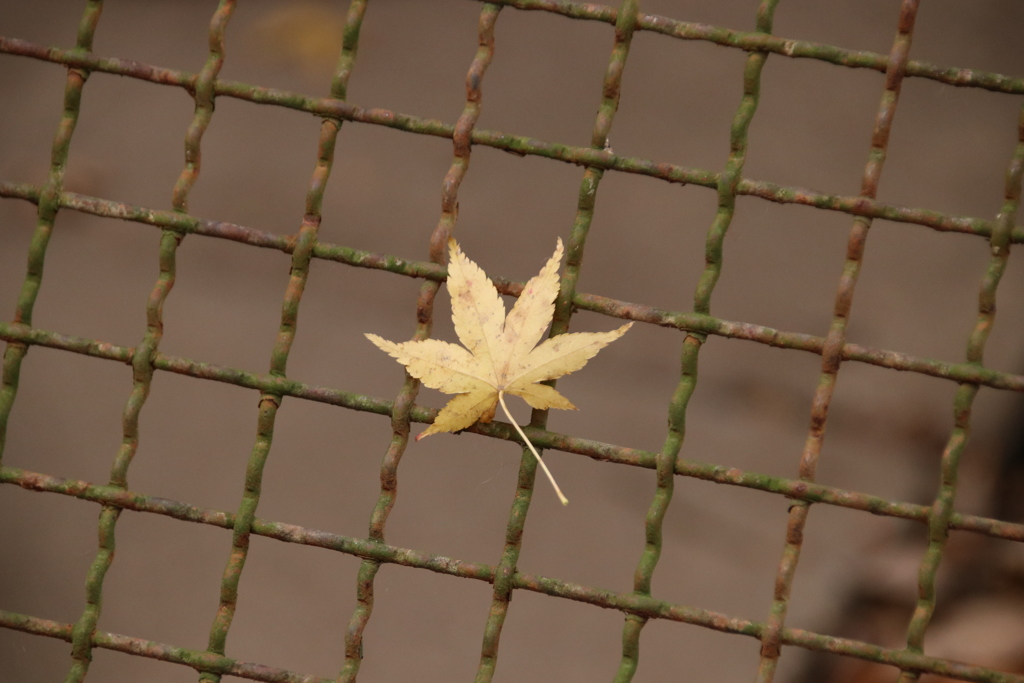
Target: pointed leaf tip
x,y
501,354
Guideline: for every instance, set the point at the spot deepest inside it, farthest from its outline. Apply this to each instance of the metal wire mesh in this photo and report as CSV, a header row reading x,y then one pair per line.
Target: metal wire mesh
x,y
641,605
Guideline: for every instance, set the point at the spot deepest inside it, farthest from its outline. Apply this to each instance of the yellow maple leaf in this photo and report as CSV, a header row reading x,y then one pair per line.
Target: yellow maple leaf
x,y
501,355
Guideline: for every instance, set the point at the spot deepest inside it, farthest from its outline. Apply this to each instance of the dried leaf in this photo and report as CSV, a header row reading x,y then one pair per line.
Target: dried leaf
x,y
501,355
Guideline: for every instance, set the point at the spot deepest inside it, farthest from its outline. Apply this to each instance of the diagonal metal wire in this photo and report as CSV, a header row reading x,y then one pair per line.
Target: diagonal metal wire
x,y
401,414
692,343
942,508
49,205
832,355
503,584
46,214
270,401
518,145
142,360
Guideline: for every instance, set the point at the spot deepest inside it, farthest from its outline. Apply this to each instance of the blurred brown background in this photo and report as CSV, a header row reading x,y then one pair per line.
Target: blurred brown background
x,y
918,294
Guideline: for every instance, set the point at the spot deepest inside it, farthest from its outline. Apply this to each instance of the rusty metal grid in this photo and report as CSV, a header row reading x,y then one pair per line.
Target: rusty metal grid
x,y
696,326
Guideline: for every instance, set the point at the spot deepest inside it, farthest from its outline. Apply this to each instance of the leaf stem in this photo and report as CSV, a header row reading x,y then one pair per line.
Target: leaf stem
x,y
501,399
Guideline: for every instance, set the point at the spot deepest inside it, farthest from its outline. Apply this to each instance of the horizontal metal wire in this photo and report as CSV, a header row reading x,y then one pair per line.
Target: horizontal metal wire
x,y
596,450
632,603
689,322
519,145
800,49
